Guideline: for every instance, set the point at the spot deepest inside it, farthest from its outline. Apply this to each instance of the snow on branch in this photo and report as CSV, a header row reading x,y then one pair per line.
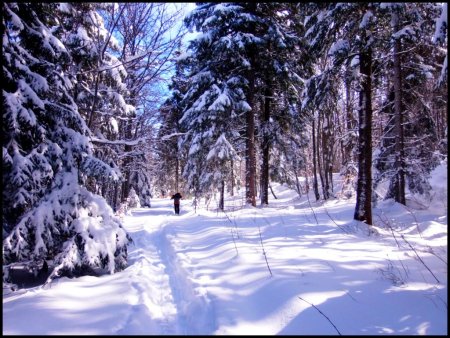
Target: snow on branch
x,y
120,142
167,137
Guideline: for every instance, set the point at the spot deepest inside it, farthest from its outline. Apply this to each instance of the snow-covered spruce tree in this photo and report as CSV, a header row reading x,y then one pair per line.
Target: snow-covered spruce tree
x,y
280,68
217,97
410,140
422,95
246,59
288,156
345,30
331,52
48,214
169,156
440,38
99,90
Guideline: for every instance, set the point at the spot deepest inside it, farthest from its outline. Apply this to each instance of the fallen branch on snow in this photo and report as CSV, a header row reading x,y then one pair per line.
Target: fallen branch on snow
x,y
321,313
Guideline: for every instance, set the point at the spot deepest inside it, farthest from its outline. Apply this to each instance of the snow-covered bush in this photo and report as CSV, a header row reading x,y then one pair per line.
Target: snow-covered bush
x,y
72,227
48,213
133,199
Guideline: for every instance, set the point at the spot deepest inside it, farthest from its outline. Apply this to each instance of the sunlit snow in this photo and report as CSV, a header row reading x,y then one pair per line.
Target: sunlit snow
x,y
271,270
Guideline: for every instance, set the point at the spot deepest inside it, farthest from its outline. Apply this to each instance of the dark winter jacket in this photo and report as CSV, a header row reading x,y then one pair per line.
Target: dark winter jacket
x,y
176,198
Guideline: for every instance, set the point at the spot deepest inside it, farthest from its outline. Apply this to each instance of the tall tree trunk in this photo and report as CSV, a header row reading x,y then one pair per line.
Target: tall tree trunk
x,y
177,170
177,159
250,160
315,184
222,196
94,103
266,146
306,182
326,158
250,153
348,160
330,157
297,184
232,178
116,193
349,122
321,149
126,167
363,208
399,139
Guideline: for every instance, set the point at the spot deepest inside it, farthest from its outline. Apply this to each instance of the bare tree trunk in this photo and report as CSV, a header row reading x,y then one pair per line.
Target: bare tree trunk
x,y
348,145
116,193
177,170
330,157
250,153
222,196
306,182
315,184
250,160
399,139
232,178
126,167
326,158
266,147
297,184
350,123
320,148
363,208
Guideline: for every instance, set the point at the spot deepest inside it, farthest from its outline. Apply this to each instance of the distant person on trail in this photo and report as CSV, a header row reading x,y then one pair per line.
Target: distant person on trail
x,y
176,202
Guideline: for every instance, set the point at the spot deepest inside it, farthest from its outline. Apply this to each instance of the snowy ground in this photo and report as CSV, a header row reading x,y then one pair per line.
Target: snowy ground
x,y
284,269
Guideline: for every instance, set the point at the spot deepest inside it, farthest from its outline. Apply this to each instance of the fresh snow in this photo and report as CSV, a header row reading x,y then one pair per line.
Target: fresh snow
x,y
339,46
282,269
366,19
441,24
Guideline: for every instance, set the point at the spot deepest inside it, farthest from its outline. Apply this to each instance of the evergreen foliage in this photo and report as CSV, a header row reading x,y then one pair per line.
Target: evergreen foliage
x,y
265,91
49,213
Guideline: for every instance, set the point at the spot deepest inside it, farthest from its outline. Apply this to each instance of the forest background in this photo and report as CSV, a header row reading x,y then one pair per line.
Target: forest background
x,y
264,92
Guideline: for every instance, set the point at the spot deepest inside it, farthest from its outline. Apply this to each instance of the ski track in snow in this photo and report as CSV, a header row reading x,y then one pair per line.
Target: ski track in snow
x,y
167,301
207,273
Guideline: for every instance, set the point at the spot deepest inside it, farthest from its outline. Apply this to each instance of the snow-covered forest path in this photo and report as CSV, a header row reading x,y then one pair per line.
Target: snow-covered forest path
x,y
255,270
165,298
284,269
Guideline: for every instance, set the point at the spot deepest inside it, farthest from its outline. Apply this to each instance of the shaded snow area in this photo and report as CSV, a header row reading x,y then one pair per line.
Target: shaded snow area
x,y
295,267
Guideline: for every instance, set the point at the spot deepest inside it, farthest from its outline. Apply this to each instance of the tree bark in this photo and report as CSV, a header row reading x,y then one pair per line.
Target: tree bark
x,y
363,209
250,160
127,161
399,139
315,184
320,148
266,147
326,158
297,184
349,122
232,177
177,170
222,196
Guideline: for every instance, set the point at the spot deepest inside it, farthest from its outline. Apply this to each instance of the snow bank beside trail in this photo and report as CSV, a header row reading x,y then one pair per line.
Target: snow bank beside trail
x,y
439,183
207,273
312,257
195,311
